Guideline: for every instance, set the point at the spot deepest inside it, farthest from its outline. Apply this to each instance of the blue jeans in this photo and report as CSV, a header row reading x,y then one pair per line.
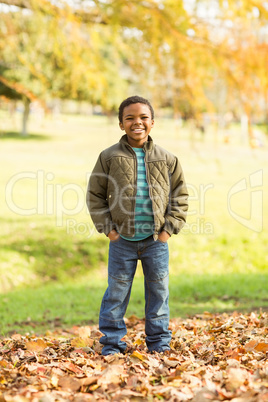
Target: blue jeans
x,y
123,258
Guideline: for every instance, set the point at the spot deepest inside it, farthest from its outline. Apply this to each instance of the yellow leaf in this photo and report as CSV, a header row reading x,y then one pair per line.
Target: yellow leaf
x,y
138,355
3,380
232,330
138,342
81,342
94,387
36,346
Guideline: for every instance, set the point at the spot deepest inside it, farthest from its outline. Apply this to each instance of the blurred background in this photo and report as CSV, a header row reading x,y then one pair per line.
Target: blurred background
x,y
65,66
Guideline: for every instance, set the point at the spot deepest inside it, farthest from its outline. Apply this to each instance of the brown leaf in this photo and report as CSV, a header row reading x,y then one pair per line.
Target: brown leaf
x,y
71,367
261,347
16,337
236,378
132,320
234,354
89,380
5,364
203,365
32,367
111,375
132,381
251,345
171,362
233,362
152,362
69,384
128,394
84,332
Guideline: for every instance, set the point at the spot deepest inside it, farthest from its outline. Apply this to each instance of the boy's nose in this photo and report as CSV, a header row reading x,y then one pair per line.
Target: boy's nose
x,y
137,122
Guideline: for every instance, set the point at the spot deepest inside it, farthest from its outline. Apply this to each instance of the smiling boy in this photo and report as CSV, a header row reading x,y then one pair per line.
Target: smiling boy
x,y
137,196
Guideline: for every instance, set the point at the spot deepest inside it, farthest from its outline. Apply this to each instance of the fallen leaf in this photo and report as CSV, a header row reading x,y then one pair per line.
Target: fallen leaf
x,y
5,364
89,380
261,347
82,342
69,383
171,361
236,378
111,375
84,332
138,355
138,342
250,345
71,367
203,365
16,337
36,346
54,380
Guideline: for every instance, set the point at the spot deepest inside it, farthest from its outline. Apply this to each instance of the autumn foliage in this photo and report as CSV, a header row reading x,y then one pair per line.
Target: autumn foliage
x,y
213,358
194,56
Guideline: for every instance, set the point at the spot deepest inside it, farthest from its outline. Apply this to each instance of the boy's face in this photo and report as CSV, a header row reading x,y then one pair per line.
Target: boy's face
x,y
137,122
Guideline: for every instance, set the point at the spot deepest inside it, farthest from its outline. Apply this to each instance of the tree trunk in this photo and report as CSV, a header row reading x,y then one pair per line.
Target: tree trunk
x,y
26,112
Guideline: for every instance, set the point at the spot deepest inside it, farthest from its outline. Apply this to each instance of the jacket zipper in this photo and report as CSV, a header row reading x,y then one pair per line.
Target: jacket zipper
x,y
155,235
135,184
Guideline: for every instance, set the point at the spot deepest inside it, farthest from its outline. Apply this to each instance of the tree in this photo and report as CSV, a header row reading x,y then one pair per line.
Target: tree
x,y
57,56
17,92
169,50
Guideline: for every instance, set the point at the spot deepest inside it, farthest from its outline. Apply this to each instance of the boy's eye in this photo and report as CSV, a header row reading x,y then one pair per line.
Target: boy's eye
x,y
142,117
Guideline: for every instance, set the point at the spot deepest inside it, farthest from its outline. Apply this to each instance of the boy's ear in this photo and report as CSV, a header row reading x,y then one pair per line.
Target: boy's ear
x,y
121,125
152,124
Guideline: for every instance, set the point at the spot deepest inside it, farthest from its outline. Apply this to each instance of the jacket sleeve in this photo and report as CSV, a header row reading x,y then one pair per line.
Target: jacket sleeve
x,y
175,216
96,198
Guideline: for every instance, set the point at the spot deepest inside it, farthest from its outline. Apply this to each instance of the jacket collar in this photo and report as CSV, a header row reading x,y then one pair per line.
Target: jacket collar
x,y
147,146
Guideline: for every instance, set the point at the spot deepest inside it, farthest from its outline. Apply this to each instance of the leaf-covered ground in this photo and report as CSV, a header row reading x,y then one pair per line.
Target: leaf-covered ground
x,y
213,358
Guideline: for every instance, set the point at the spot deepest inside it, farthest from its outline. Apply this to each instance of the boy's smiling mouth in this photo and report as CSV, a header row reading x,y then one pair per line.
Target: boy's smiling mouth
x,y
137,130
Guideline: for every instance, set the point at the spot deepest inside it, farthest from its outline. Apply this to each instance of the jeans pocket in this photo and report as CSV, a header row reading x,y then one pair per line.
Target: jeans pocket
x,y
161,242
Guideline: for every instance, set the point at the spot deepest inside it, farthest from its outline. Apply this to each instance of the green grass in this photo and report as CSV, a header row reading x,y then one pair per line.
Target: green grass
x,y
53,264
65,304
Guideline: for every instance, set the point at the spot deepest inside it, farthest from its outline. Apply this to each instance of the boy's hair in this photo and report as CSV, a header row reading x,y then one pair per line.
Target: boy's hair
x,y
132,100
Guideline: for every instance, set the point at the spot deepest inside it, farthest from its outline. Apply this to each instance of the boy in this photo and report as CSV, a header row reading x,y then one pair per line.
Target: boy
x,y
137,196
